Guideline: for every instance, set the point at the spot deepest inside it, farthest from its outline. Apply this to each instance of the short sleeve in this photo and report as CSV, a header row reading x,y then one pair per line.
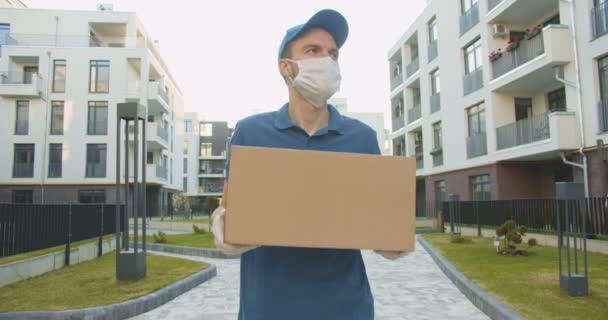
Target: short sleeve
x,y
374,147
235,140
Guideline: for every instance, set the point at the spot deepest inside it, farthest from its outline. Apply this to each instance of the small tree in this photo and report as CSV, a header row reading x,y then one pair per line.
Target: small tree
x,y
181,204
512,235
211,203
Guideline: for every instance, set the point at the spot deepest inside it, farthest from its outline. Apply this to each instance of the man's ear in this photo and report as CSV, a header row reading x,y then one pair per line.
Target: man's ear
x,y
284,68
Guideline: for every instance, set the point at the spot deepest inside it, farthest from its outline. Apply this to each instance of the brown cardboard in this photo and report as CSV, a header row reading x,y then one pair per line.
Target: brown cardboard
x,y
296,198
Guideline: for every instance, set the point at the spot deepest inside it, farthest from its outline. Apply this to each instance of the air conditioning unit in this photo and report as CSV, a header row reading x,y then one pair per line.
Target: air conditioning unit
x,y
500,31
105,7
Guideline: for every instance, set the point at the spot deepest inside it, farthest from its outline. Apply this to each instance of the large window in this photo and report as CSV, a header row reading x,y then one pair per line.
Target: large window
x,y
99,76
466,5
437,136
207,130
477,119
440,194
98,118
23,161
188,126
58,75
603,73
472,57
435,86
96,161
22,117
433,30
5,30
206,149
57,117
92,196
185,165
557,100
480,188
55,160
22,196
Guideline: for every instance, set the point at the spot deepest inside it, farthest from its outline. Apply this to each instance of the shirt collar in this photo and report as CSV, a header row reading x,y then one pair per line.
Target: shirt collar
x,y
283,121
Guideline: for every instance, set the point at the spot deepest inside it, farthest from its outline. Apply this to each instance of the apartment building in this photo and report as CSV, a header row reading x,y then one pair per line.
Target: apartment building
x,y
484,95
62,75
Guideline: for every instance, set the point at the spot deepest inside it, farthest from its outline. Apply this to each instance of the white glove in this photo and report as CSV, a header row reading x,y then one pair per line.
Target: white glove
x,y
392,255
217,227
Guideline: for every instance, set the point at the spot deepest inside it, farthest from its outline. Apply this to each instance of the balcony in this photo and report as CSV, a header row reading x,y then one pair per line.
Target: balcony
x,y
599,20
602,108
158,102
398,122
157,136
469,19
529,67
13,84
477,145
473,81
414,113
522,132
412,67
493,3
539,138
433,50
435,102
520,12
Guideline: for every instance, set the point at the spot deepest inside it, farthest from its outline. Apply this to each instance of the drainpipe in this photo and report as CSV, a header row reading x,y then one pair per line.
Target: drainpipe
x,y
579,98
44,133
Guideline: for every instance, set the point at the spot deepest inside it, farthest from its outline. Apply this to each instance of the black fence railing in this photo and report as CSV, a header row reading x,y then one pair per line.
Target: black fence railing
x,y
30,227
537,215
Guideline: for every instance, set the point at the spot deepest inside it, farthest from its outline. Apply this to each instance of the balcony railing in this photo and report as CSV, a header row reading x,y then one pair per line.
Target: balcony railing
x,y
211,188
52,40
473,81
22,127
599,20
603,115
162,133
493,3
469,19
526,50
437,157
433,50
523,132
217,170
477,145
163,94
161,172
414,113
398,122
396,81
435,102
419,162
412,67
23,170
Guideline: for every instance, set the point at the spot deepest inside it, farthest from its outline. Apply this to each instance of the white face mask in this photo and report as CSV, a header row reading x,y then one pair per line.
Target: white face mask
x,y
318,79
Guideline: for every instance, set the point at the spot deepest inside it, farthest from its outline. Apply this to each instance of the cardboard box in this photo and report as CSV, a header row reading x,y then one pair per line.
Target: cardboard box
x,y
297,198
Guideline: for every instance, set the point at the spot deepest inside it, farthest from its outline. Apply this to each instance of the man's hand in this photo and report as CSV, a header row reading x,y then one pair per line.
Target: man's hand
x,y
217,227
392,255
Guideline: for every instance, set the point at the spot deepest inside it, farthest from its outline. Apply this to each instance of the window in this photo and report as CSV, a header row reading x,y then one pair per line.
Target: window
x,y
149,158
472,57
399,108
186,146
99,76
171,171
603,73
92,196
188,126
185,165
557,100
58,75
477,119
22,117
96,161
418,145
5,30
440,193
22,196
185,184
433,30
55,160
207,130
480,188
23,161
466,5
435,86
416,96
437,136
206,149
98,118
29,74
57,117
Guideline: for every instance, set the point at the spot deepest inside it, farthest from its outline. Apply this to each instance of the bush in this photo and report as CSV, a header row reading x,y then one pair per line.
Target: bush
x,y
160,237
532,242
511,235
197,230
456,238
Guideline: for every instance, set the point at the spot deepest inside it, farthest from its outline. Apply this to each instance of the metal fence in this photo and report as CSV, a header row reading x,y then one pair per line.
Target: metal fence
x,y
472,81
30,227
537,215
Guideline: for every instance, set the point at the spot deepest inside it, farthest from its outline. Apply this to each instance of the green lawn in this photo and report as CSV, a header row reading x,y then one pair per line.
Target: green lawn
x,y
529,285
92,283
32,254
197,240
196,220
531,232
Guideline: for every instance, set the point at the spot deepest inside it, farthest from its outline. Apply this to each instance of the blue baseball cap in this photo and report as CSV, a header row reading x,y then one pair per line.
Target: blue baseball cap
x,y
329,20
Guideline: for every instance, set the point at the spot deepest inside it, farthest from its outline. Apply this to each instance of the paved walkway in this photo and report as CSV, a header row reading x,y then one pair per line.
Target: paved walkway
x,y
410,288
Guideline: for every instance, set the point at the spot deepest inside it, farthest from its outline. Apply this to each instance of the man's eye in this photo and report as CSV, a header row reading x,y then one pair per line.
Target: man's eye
x,y
312,50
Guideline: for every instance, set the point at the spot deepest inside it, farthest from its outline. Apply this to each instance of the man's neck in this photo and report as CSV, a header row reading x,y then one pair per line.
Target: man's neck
x,y
305,115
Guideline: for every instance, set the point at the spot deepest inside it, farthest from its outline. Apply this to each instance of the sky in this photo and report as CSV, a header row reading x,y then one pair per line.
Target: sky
x,y
223,54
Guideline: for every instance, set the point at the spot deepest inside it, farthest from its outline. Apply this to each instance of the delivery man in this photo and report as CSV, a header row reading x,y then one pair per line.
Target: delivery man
x,y
282,283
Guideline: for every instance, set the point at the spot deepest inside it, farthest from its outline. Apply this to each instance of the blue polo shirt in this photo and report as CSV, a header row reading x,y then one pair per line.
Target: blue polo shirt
x,y
304,283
